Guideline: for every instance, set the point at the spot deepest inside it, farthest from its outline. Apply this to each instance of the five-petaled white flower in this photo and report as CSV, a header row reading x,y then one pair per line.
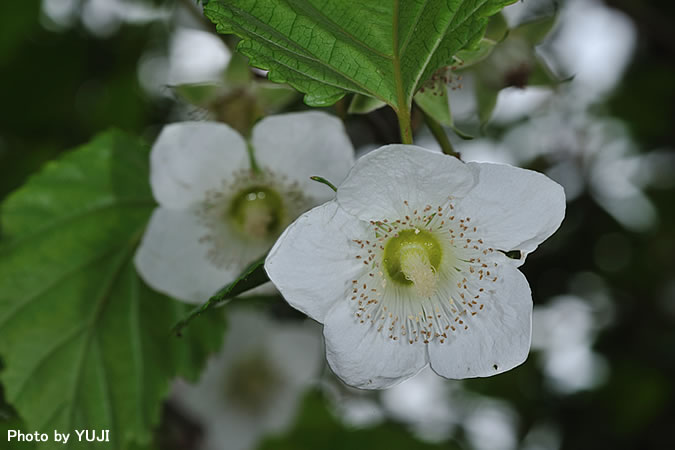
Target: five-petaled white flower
x,y
406,267
217,211
254,385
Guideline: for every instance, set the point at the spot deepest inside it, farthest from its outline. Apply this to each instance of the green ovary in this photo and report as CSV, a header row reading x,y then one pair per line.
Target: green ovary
x,y
412,258
257,212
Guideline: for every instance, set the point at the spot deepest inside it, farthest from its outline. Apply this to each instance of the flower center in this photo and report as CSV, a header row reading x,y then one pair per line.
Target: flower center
x,y
412,257
257,212
425,274
245,216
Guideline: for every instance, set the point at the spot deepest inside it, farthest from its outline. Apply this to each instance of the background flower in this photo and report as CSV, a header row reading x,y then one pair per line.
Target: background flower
x,y
253,386
217,212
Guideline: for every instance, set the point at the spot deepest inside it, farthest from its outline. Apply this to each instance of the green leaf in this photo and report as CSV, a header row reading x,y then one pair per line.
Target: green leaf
x,y
85,342
497,28
536,31
9,421
542,75
384,50
486,100
13,423
273,97
362,104
470,56
253,276
20,28
434,103
200,94
238,72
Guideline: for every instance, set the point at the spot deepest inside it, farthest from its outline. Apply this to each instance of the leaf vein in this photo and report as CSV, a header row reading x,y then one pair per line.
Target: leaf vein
x,y
335,28
51,351
95,208
100,303
300,53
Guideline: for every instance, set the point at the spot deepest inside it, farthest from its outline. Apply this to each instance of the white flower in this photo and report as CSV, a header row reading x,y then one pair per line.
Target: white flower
x,y
406,267
416,402
216,214
254,385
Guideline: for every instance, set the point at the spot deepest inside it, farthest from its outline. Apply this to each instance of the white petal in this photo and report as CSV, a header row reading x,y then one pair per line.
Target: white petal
x,y
190,158
300,145
381,180
364,358
312,263
296,350
515,209
498,337
172,259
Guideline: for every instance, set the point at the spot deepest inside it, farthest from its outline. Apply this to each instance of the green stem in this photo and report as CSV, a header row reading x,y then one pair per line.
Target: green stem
x,y
251,157
322,180
404,124
403,110
442,138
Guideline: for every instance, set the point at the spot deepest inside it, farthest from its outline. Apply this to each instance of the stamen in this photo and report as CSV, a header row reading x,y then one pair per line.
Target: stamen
x,y
425,276
247,213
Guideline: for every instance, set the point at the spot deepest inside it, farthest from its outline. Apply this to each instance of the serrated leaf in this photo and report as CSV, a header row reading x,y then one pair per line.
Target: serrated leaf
x,y
384,50
85,342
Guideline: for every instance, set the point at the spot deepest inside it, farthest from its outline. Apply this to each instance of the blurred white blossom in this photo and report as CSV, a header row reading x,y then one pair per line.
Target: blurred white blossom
x,y
218,212
564,330
254,385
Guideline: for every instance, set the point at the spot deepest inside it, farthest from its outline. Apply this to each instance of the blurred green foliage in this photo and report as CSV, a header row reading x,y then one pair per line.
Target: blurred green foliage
x,y
58,88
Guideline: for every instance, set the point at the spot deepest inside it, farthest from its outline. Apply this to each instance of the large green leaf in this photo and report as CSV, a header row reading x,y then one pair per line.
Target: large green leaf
x,y
86,344
381,49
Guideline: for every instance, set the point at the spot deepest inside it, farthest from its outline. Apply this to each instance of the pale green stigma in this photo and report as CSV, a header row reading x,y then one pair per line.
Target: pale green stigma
x,y
424,274
257,212
412,258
